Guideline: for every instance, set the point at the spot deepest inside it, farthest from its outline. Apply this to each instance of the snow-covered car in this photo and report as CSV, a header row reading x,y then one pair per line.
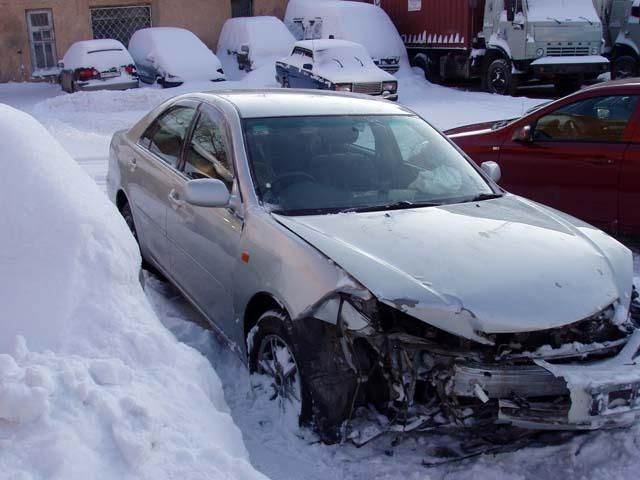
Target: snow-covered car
x,y
334,65
247,43
171,56
356,257
97,65
359,22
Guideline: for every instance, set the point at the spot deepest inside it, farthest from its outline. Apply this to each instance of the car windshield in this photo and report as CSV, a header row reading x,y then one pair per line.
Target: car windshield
x,y
345,57
324,164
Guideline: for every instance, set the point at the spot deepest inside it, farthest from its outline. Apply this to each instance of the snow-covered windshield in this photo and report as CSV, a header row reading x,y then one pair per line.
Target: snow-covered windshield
x,y
561,11
344,57
109,58
325,164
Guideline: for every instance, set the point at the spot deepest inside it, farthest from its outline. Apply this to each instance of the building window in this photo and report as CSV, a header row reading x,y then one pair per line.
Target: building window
x,y
41,39
119,22
241,8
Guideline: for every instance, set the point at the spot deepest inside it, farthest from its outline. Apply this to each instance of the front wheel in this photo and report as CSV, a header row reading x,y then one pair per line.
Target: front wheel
x,y
499,78
285,82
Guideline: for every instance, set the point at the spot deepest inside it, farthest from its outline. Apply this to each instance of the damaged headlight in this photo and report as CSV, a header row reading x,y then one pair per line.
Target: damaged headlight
x,y
352,319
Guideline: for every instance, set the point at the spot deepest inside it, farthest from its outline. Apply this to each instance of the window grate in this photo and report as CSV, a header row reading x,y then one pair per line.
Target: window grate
x,y
120,23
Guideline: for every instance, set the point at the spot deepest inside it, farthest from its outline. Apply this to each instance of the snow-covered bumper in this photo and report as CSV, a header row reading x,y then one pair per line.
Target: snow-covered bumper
x,y
559,66
91,86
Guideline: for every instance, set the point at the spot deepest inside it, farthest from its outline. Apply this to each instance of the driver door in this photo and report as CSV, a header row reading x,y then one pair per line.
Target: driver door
x,y
574,158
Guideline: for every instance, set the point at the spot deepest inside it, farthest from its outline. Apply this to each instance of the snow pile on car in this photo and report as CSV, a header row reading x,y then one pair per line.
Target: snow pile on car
x,y
102,55
358,22
267,38
91,384
175,51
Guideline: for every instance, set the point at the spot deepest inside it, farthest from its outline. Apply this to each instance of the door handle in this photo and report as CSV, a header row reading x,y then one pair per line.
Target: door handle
x,y
602,161
174,199
133,163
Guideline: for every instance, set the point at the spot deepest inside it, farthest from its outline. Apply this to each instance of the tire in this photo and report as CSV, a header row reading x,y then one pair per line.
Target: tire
x,y
567,85
127,214
285,82
624,66
327,387
498,77
429,67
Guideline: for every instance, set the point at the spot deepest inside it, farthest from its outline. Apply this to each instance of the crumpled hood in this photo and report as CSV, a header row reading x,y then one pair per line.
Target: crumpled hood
x,y
496,266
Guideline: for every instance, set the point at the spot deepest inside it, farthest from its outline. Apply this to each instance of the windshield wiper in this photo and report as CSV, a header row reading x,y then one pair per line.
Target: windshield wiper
x,y
338,62
483,196
555,20
585,18
403,204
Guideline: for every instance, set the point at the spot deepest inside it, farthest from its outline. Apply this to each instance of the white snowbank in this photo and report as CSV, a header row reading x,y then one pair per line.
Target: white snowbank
x,y
268,39
91,384
174,51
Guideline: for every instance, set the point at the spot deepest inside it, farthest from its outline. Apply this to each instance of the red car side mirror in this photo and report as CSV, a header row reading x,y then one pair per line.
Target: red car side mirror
x,y
523,134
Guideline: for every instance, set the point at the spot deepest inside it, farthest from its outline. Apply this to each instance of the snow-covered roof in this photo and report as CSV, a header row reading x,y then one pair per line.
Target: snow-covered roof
x,y
326,44
99,54
562,10
174,51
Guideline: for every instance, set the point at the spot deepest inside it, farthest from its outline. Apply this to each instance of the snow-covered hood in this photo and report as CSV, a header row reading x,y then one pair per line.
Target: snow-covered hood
x,y
496,266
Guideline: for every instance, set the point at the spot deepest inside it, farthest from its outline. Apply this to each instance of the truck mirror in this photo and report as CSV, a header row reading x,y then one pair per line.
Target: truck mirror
x,y
509,6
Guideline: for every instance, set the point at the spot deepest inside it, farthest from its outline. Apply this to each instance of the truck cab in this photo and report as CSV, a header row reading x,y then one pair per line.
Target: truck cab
x,y
621,23
543,39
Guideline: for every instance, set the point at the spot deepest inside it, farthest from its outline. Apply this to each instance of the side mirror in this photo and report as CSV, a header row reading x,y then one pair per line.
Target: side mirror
x,y
492,169
244,48
60,64
523,134
307,66
206,192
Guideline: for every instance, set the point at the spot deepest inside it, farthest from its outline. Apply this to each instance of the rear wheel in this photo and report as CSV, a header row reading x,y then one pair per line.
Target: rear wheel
x,y
429,67
624,66
285,82
126,213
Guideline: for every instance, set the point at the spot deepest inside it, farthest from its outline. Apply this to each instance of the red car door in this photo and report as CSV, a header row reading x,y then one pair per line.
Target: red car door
x,y
630,182
571,159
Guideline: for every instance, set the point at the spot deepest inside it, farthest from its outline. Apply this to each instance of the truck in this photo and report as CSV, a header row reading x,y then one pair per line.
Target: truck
x,y
502,42
621,24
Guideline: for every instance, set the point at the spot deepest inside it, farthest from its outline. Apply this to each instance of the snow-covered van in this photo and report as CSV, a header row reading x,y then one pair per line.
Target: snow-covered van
x,y
334,65
345,20
172,56
247,43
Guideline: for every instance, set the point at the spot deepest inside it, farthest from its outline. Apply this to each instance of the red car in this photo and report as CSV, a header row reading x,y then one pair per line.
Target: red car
x,y
579,154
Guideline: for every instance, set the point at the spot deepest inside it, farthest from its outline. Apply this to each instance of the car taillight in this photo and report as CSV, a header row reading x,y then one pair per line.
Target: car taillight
x,y
130,69
88,73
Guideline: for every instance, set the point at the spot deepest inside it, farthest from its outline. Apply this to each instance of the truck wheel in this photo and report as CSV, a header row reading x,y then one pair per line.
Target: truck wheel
x,y
304,366
567,85
624,67
499,78
429,67
285,82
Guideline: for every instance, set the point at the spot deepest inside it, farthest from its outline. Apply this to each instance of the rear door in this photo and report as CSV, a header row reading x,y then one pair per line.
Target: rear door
x,y
574,161
205,242
152,170
630,182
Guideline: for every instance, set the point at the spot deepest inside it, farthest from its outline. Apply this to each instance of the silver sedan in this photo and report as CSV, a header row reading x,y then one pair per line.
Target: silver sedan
x,y
358,259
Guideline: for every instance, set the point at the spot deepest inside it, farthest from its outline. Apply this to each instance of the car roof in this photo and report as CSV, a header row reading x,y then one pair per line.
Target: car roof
x,y
298,102
100,44
613,84
325,44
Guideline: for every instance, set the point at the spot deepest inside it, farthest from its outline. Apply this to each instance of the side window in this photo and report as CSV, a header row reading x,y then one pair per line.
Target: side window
x,y
165,137
207,154
598,119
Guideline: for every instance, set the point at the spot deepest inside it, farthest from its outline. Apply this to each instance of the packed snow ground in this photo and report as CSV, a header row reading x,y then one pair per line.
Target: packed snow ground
x,y
84,122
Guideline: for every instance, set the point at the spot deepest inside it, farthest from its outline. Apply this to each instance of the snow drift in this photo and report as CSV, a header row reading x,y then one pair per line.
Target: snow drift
x,y
91,384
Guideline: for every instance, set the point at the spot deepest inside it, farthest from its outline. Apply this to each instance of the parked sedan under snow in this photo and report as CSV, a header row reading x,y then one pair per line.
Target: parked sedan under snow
x,y
334,65
363,260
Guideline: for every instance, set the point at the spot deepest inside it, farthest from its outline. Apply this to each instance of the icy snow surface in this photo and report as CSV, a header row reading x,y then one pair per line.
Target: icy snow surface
x,y
115,392
92,386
